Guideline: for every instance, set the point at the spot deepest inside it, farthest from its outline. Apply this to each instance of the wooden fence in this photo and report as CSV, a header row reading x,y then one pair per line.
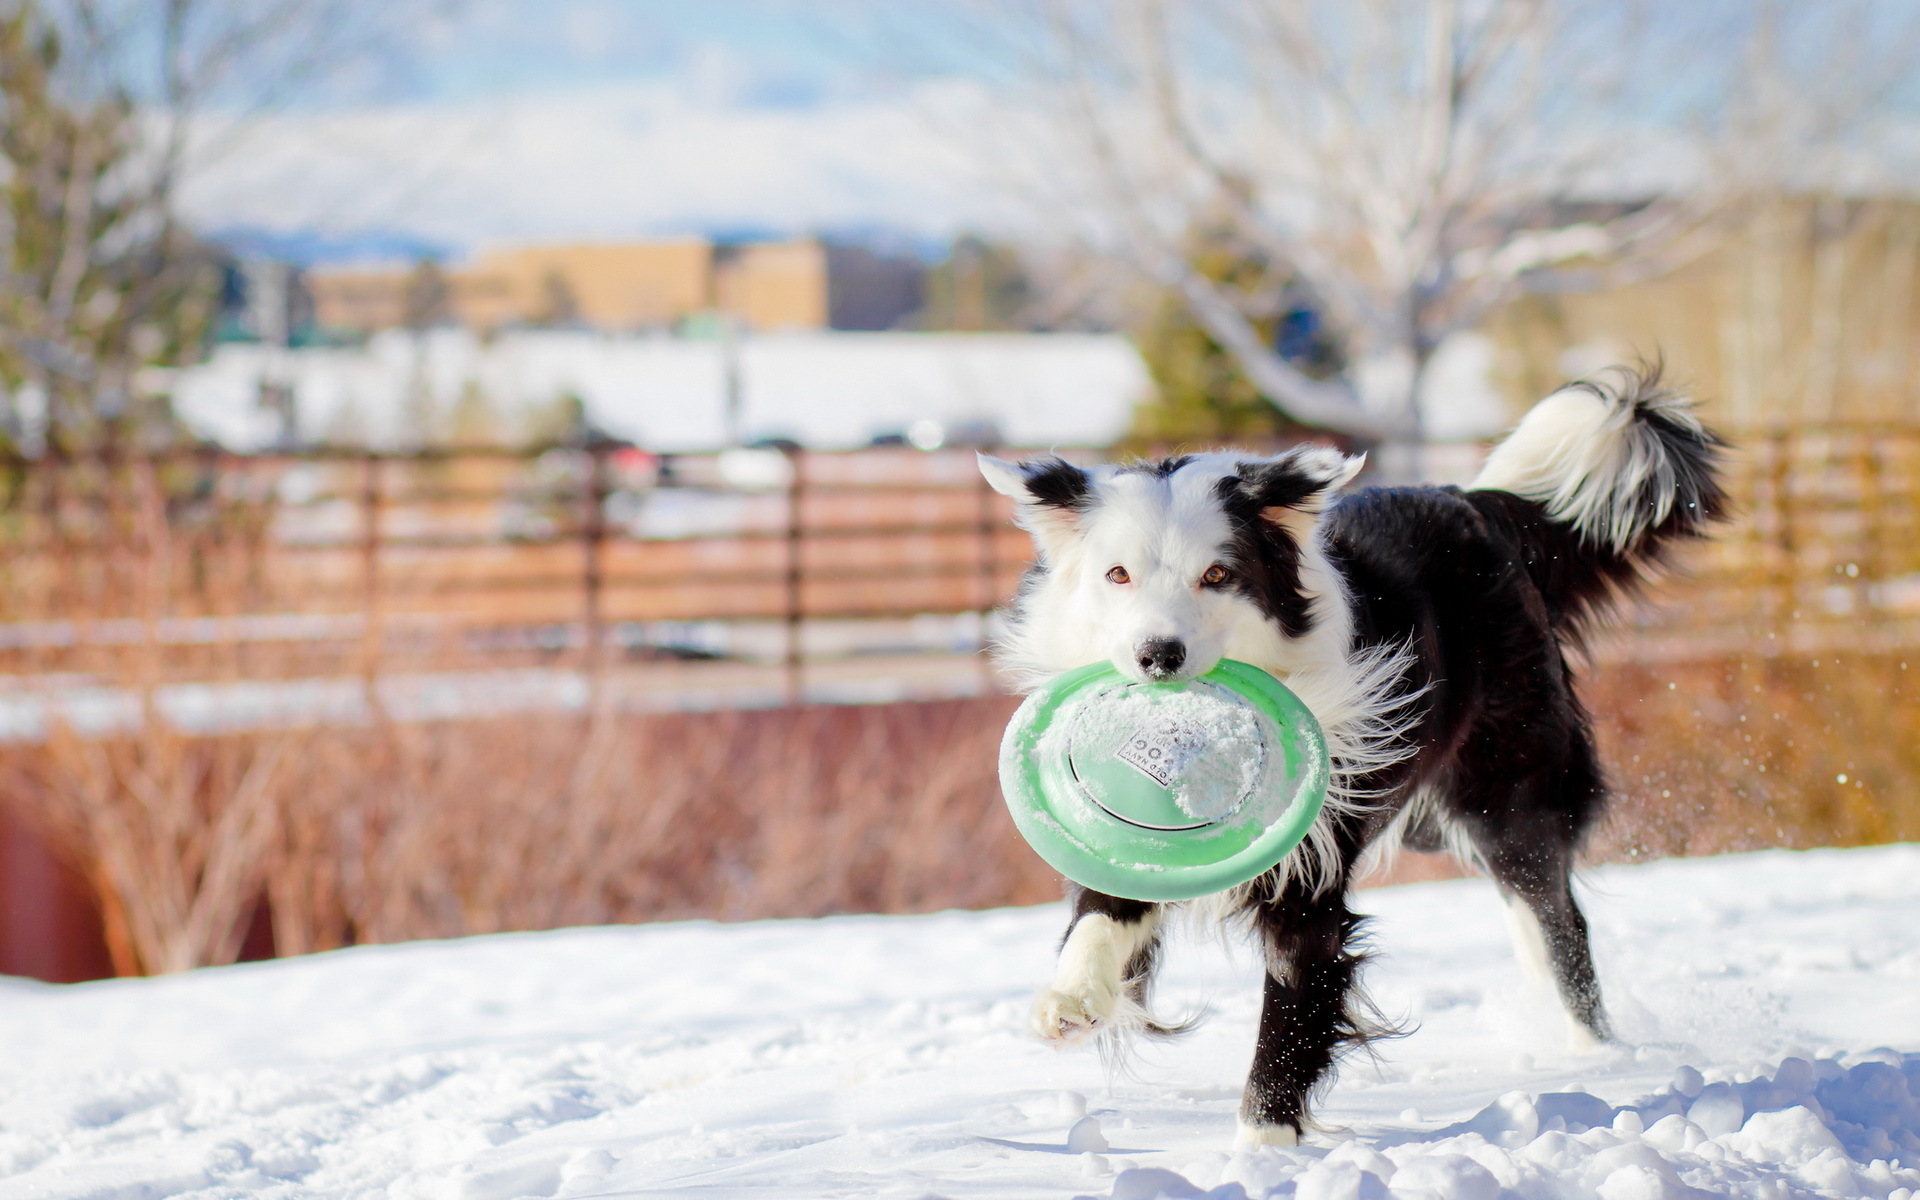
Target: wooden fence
x,y
1822,552
319,564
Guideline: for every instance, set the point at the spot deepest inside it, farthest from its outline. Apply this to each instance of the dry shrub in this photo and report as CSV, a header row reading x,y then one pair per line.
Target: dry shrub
x,y
1748,752
175,833
536,822
888,809
394,832
524,823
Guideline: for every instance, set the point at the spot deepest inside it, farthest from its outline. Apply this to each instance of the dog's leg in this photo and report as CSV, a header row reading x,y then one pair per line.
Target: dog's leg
x,y
1550,932
1310,1010
1526,840
1106,967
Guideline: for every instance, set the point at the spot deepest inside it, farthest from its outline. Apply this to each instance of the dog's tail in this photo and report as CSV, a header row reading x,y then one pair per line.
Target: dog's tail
x,y
1598,483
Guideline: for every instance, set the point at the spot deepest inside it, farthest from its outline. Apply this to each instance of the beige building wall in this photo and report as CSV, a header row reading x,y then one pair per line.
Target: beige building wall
x,y
615,285
488,300
775,285
627,285
359,299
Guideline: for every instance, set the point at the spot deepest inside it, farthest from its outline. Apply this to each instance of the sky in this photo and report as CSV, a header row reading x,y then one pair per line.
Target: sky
x,y
499,120
457,124
763,53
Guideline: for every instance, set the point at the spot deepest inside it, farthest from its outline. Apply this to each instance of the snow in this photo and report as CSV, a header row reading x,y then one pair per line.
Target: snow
x,y
1202,743
824,389
886,1056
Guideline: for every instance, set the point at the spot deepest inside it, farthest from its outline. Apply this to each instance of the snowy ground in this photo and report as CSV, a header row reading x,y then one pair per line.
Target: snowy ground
x,y
1758,995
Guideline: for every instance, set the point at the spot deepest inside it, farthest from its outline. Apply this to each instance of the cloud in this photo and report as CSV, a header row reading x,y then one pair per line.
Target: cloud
x,y
615,160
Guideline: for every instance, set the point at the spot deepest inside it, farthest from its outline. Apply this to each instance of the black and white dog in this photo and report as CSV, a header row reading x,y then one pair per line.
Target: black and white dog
x,y
1429,629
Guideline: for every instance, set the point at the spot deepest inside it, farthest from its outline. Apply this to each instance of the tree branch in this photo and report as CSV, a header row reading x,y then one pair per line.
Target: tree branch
x,y
1317,402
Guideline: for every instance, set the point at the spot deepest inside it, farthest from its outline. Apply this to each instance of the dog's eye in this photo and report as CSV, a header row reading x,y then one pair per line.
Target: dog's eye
x,y
1118,575
1216,575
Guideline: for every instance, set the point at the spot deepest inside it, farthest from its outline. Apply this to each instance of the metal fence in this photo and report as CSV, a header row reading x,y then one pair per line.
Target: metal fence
x,y
249,589
759,572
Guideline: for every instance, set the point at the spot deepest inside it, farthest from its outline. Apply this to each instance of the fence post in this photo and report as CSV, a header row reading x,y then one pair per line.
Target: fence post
x,y
989,570
371,633
1785,576
593,533
1876,565
795,685
57,543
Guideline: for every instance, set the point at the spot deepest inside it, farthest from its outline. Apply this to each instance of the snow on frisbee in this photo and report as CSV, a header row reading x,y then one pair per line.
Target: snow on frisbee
x,y
1164,791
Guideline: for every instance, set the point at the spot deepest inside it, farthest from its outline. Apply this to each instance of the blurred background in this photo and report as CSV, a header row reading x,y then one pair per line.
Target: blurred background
x,y
470,465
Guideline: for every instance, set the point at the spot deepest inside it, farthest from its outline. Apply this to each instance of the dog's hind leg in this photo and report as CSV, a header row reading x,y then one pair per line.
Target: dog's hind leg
x,y
1527,845
1550,932
1105,971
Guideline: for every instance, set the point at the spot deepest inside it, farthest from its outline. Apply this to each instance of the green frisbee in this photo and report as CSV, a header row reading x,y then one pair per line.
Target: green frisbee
x,y
1164,791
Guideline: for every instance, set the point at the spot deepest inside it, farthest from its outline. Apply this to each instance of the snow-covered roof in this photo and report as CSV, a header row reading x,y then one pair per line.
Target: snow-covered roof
x,y
821,389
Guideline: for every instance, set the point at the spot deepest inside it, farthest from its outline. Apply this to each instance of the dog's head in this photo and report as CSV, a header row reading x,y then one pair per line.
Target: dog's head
x,y
1166,568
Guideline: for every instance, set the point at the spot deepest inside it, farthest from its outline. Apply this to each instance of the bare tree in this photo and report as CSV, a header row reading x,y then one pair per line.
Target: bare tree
x,y
1415,163
106,107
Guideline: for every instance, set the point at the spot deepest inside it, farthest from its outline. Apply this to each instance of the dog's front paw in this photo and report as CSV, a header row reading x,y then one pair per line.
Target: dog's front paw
x,y
1259,1133
1068,1016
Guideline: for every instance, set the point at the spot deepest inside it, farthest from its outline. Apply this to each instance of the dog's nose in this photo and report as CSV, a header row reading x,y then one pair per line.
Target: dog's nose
x,y
1161,657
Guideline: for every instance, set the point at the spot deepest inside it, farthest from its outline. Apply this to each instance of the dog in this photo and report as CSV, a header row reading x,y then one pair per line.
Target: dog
x,y
1433,631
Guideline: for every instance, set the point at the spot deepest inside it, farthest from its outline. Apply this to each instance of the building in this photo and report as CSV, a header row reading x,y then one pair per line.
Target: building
x,y
617,285
610,286
870,289
773,285
264,300
358,299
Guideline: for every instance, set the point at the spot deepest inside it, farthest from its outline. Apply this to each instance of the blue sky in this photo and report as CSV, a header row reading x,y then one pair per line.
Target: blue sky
x,y
781,53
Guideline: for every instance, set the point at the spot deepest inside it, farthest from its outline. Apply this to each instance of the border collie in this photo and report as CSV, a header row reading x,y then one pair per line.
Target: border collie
x,y
1432,632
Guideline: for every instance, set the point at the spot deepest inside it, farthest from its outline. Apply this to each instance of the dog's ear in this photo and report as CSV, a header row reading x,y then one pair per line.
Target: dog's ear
x,y
1290,491
1052,494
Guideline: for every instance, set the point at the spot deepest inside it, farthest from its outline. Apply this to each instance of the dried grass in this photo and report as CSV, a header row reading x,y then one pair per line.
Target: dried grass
x,y
533,823
401,832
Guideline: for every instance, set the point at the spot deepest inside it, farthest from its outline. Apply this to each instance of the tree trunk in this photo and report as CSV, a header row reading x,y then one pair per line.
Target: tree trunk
x,y
1389,378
